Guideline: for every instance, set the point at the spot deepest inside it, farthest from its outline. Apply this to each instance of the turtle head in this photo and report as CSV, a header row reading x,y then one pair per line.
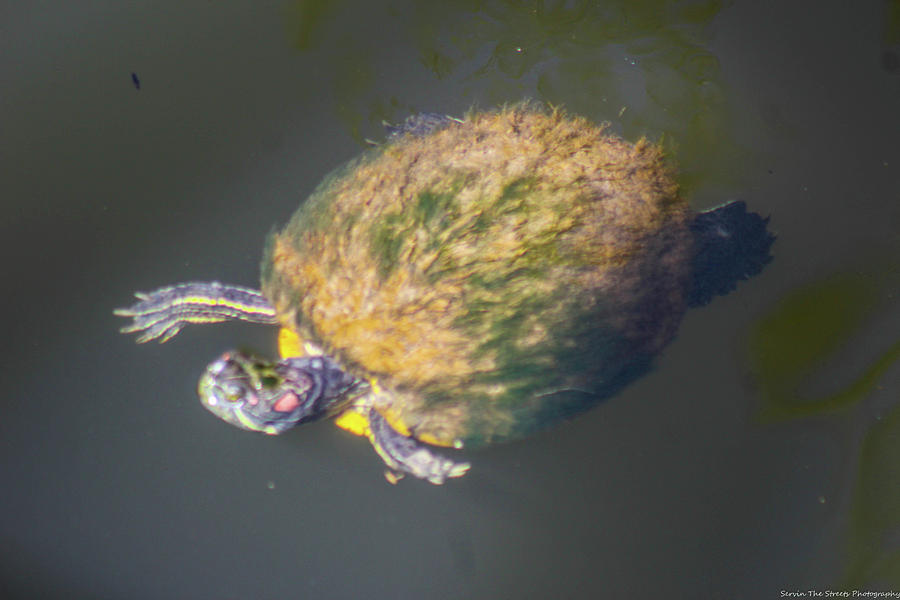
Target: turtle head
x,y
271,397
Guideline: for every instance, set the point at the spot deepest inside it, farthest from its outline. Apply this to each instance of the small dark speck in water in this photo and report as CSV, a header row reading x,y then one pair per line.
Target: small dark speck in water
x,y
136,81
890,62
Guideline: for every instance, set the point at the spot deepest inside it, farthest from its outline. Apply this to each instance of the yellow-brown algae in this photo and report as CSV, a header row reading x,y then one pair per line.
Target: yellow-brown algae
x,y
494,275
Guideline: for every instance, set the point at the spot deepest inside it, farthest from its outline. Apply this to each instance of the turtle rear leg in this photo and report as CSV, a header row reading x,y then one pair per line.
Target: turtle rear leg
x,y
164,311
405,455
731,244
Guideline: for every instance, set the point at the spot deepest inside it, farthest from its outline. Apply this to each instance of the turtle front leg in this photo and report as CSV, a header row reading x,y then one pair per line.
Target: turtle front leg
x,y
405,455
420,125
164,311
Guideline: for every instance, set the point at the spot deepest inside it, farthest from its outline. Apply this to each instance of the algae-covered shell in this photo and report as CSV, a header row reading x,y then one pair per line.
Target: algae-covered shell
x,y
493,275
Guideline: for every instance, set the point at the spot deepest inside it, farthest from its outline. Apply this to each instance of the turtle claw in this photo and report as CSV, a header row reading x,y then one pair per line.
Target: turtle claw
x,y
165,336
160,331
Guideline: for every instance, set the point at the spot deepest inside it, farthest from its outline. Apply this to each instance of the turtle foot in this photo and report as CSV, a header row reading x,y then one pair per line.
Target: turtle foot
x,y
162,313
406,456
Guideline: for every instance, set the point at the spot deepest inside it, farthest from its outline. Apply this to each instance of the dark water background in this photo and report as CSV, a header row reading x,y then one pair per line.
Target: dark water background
x,y
761,455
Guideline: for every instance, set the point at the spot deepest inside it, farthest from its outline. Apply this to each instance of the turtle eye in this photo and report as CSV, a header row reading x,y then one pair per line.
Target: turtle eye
x,y
233,391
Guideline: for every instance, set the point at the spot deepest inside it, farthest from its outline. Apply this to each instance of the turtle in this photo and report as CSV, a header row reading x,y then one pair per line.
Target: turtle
x,y
467,281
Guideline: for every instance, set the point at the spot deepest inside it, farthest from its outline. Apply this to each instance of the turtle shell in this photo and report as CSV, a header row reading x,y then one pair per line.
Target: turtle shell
x,y
494,275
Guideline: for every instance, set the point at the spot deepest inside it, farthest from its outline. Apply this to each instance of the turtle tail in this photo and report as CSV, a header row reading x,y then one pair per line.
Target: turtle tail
x,y
731,245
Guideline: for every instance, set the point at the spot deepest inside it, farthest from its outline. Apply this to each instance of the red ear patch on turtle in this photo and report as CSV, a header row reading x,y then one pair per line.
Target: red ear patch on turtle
x,y
287,403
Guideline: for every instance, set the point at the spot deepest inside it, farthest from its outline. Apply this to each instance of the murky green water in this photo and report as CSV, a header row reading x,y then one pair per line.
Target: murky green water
x,y
761,454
